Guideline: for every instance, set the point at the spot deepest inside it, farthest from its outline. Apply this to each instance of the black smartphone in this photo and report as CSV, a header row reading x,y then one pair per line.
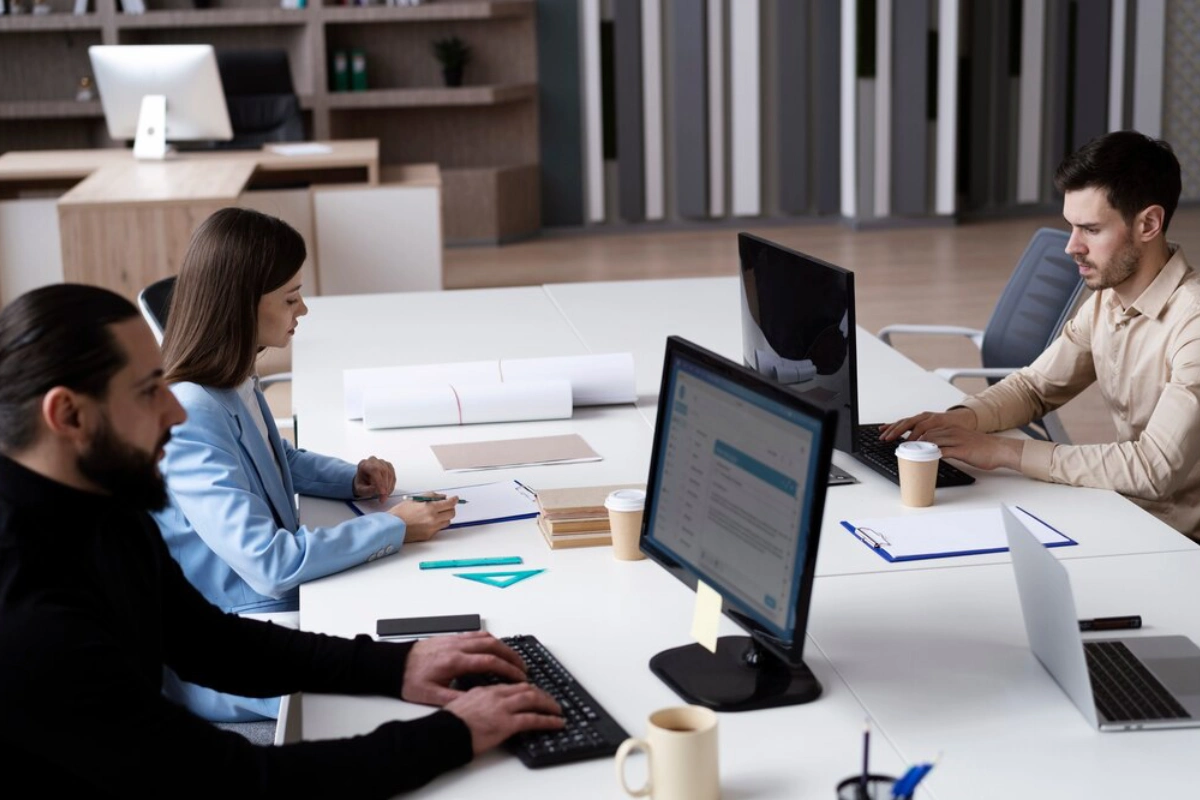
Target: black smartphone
x,y
412,627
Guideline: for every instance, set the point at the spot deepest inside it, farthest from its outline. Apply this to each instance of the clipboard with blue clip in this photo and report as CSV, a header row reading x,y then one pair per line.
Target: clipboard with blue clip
x,y
947,534
486,503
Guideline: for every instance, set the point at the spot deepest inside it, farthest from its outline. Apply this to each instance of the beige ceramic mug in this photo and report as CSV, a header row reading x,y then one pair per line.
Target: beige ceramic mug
x,y
681,748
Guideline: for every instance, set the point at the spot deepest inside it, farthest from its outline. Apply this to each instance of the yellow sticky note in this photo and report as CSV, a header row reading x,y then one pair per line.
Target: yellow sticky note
x,y
706,616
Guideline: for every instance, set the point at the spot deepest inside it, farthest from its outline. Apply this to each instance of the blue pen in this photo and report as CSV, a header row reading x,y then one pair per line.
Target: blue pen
x,y
907,785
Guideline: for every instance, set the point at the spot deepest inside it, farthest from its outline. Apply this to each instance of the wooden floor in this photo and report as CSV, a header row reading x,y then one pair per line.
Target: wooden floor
x,y
948,275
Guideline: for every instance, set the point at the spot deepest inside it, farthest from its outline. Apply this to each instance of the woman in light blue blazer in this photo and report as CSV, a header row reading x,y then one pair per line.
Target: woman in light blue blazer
x,y
232,522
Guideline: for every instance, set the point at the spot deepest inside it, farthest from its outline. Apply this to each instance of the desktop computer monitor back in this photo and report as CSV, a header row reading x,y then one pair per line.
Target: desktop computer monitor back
x,y
185,74
735,498
798,327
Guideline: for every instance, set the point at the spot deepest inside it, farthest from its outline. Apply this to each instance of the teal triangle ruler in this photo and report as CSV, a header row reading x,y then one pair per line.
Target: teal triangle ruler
x,y
501,580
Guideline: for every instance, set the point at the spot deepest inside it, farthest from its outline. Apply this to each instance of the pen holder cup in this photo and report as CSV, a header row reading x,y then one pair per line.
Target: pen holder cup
x,y
879,787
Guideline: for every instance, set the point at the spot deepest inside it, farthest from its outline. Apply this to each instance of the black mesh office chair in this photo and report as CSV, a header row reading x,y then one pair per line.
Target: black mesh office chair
x,y
263,105
1040,296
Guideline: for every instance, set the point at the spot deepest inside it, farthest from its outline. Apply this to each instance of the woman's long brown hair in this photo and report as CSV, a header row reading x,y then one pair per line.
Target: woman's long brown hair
x,y
234,258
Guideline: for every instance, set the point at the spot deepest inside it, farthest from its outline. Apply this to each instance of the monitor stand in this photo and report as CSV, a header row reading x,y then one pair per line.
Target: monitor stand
x,y
740,676
150,143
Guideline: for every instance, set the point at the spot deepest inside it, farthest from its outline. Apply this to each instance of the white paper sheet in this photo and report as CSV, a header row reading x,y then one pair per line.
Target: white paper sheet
x,y
454,404
301,149
942,534
595,379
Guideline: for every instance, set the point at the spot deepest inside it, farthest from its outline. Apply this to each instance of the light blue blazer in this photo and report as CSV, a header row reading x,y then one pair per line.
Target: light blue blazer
x,y
232,522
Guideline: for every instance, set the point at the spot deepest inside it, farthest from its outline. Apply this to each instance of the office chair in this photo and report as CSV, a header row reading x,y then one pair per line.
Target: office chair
x,y
154,301
263,105
1036,302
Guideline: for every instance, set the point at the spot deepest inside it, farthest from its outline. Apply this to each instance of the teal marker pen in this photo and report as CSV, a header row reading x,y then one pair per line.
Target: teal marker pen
x,y
495,561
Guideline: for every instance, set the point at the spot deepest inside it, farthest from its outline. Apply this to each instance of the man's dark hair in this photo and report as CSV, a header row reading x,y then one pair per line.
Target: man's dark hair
x,y
55,336
1134,170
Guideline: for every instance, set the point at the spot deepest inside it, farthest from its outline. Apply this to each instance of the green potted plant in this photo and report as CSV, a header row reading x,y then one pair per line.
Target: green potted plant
x,y
453,54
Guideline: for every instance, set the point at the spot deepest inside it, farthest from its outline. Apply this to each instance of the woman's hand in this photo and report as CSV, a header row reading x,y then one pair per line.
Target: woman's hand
x,y
423,519
375,478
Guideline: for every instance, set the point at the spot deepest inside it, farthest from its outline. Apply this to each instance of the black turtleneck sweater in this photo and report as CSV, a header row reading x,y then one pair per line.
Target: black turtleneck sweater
x,y
92,607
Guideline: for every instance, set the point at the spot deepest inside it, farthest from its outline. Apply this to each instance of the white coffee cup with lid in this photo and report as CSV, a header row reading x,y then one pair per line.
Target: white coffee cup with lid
x,y
918,472
625,508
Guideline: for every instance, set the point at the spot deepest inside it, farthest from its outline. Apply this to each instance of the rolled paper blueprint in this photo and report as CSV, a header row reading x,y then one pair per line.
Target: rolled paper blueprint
x,y
595,379
465,404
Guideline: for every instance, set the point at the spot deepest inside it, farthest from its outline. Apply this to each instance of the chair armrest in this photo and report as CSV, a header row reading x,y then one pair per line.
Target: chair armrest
x,y
278,377
951,374
974,334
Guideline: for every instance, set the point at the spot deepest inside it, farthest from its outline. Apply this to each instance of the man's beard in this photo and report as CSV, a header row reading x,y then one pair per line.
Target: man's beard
x,y
124,471
1123,264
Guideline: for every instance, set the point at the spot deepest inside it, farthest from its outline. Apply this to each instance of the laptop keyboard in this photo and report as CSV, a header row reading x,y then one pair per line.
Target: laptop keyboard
x,y
1124,689
881,457
590,731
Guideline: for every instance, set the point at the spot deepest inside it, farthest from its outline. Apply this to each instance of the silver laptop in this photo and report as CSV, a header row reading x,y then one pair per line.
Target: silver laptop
x,y
1134,683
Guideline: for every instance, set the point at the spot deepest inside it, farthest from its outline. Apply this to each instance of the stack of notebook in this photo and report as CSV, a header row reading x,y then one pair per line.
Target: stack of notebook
x,y
576,516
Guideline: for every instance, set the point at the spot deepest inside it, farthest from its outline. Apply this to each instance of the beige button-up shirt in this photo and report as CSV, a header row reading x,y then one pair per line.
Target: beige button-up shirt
x,y
1146,360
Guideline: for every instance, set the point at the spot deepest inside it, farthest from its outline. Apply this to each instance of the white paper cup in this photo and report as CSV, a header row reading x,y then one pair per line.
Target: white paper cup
x,y
625,508
918,472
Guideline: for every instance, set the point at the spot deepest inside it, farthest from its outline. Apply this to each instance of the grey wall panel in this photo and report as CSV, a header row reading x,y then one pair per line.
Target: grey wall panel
x,y
827,109
1093,43
991,127
791,33
688,45
631,154
1058,67
560,121
910,109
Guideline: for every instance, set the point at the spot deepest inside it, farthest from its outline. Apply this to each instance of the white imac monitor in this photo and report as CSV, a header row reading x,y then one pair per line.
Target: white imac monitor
x,y
158,93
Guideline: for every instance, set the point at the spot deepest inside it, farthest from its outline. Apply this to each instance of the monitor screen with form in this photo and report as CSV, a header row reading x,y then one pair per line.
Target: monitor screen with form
x,y
734,499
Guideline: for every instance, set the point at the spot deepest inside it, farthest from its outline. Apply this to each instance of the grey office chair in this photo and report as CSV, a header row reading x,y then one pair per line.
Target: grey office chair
x,y
1040,296
154,301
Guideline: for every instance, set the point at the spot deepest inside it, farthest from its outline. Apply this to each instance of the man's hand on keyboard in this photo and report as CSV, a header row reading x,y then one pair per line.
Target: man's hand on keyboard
x,y
494,713
917,426
433,663
982,450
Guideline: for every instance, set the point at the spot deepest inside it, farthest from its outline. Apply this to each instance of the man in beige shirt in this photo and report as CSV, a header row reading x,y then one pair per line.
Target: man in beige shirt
x,y
1137,336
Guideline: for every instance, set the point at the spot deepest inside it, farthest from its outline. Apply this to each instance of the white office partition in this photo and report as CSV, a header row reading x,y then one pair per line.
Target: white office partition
x,y
746,111
849,110
593,135
883,108
652,109
947,119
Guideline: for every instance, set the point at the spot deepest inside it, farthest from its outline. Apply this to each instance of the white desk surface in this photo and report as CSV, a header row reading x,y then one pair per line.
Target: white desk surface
x,y
595,613
954,640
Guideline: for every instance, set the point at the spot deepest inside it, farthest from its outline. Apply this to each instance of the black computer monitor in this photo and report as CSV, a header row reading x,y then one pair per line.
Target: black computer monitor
x,y
734,499
798,327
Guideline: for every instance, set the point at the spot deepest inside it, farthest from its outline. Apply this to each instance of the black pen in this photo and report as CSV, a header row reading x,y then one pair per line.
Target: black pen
x,y
1110,623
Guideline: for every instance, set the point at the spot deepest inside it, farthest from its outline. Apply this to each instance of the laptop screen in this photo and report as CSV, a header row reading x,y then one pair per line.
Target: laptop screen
x,y
798,327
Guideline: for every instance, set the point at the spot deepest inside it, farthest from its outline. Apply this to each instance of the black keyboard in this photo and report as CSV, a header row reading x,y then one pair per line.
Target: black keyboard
x,y
590,731
1124,690
881,457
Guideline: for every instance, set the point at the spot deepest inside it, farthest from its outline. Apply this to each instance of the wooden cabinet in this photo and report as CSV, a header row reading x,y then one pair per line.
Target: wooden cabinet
x,y
483,135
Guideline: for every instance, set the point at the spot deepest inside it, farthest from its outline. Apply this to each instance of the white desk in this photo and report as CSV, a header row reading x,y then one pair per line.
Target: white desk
x,y
605,619
708,312
941,659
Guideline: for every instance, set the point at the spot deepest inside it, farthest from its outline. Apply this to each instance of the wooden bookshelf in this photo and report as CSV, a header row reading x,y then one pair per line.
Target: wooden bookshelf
x,y
486,131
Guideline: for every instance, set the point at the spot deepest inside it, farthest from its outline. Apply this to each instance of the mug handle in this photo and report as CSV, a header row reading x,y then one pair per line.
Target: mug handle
x,y
628,746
